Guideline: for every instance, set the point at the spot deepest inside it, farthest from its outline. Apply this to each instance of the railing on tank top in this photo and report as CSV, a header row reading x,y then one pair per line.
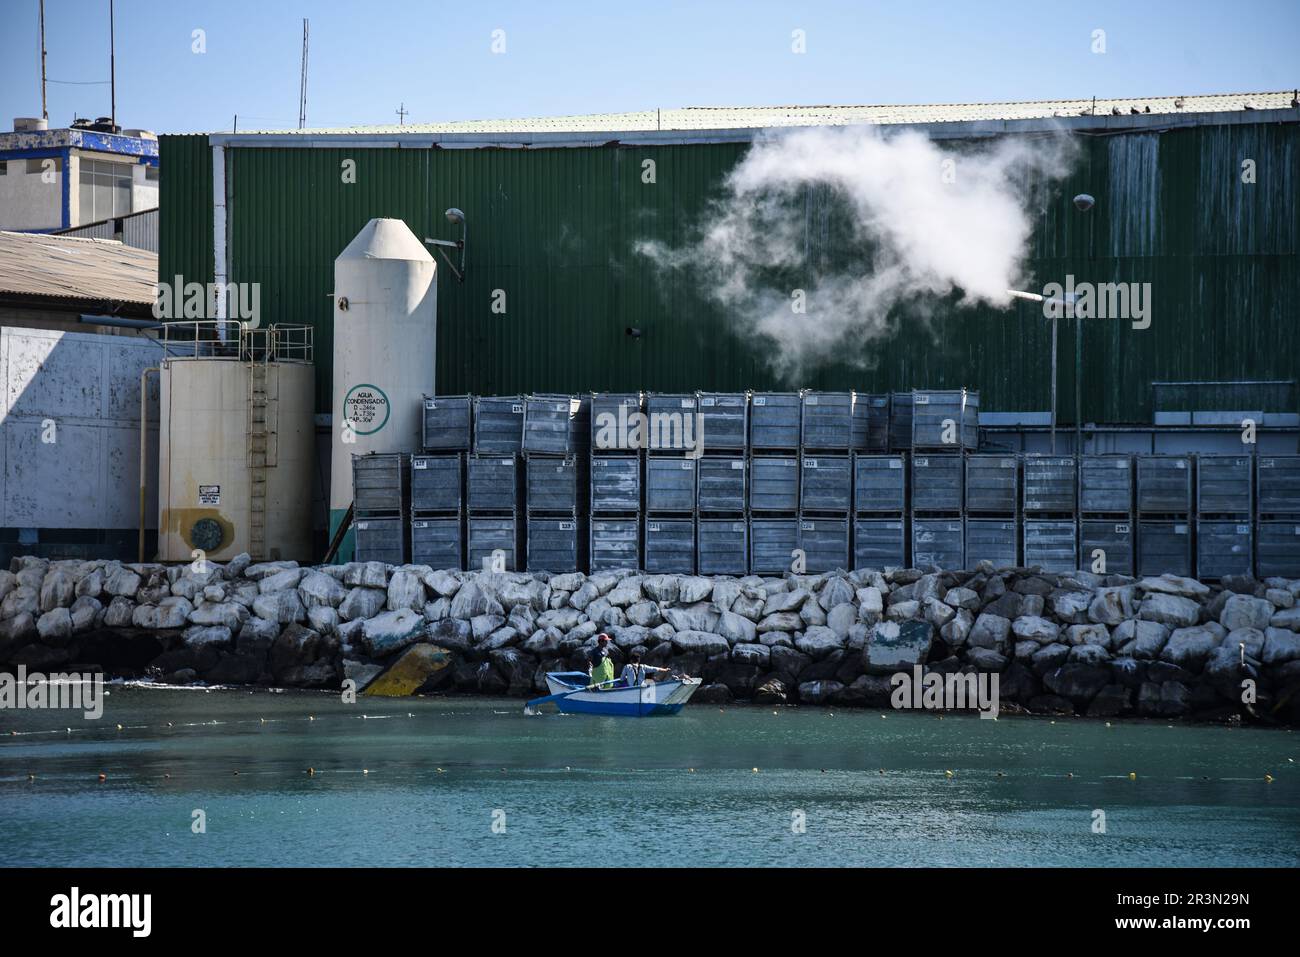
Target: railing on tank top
x,y
211,339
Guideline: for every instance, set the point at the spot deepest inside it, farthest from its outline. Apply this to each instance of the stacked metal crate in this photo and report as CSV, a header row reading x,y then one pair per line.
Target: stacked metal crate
x,y
492,484
617,432
1049,501
1106,529
826,480
900,422
556,445
1164,509
380,503
668,526
944,426
438,482
1224,509
1277,511
774,440
992,500
879,488
721,487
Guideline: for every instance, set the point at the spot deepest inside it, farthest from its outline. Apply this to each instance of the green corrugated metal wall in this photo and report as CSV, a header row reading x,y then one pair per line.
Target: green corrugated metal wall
x,y
555,229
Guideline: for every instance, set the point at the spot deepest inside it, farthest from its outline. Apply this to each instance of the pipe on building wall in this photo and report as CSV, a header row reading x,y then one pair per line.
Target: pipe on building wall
x,y
144,451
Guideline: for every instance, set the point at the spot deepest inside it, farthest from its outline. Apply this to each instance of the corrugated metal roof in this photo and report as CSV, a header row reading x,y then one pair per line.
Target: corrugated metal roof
x,y
751,117
65,267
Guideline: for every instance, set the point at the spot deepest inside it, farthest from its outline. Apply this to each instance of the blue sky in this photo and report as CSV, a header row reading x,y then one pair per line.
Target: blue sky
x,y
369,56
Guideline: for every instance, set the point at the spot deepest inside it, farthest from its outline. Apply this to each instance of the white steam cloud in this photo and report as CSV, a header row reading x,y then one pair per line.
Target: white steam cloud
x,y
868,227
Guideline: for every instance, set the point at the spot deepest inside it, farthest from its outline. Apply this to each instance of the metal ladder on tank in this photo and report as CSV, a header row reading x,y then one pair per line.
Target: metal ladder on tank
x,y
262,405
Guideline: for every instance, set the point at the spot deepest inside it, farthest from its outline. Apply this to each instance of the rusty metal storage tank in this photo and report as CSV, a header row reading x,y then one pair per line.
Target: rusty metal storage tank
x,y
236,448
385,329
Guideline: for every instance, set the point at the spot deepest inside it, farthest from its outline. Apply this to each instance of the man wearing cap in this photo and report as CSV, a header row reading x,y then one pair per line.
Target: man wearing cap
x,y
599,664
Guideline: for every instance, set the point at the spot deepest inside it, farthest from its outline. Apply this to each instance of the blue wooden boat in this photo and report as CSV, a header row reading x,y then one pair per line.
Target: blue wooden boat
x,y
571,694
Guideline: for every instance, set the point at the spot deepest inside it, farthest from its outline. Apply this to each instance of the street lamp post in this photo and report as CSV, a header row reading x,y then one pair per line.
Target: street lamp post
x,y
1083,202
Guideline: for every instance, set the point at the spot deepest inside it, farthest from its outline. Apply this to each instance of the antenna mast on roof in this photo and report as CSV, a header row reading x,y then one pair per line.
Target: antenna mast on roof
x,y
112,71
45,110
302,86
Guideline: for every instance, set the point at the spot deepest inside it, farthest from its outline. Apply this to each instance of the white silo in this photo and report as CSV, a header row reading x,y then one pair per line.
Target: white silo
x,y
385,332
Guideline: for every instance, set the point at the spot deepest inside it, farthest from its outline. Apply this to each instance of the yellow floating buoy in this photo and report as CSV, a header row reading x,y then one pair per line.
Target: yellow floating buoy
x,y
1108,724
119,727
692,770
1001,775
31,777
1132,775
755,770
103,776
311,717
365,770
311,772
262,720
947,774
882,770
166,777
1268,778
1069,774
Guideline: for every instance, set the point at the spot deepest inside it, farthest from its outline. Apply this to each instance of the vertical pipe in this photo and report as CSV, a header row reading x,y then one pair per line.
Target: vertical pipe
x,y
144,453
1053,384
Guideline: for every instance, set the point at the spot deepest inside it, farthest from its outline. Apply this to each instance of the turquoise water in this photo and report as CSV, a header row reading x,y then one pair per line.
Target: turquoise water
x,y
575,790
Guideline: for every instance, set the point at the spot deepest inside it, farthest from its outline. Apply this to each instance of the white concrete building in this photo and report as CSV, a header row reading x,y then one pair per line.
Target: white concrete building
x,y
89,172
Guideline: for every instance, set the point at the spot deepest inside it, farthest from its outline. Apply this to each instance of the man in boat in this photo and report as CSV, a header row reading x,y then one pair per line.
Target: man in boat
x,y
635,673
600,666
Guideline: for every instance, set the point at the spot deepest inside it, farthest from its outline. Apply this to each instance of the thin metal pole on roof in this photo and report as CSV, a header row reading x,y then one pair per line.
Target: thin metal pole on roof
x,y
45,111
302,86
112,70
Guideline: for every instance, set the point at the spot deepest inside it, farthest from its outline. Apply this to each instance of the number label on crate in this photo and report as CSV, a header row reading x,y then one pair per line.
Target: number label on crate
x,y
1008,463
652,527
737,526
810,463
517,409
688,403
895,463
419,464
810,400
921,399
430,404
1180,529
894,526
1180,464
760,400
688,466
567,526
809,526
1121,529
708,402
923,463
507,461
1243,529
738,464
362,526
1266,463
420,525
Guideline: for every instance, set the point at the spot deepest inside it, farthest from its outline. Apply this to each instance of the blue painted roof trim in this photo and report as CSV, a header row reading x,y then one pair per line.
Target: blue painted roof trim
x,y
28,141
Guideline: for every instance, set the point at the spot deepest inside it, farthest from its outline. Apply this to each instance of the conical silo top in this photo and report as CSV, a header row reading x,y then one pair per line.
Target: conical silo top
x,y
386,239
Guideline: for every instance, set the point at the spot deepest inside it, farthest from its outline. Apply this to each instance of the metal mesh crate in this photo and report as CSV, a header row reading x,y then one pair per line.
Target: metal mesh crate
x,y
936,483
380,540
1223,484
669,484
871,423
498,424
1277,549
493,543
672,423
774,420
615,483
670,546
1164,548
437,483
492,483
557,424
774,484
900,421
447,423
613,420
879,484
993,540
1224,548
992,484
826,484
772,543
556,545
879,543
1052,545
827,421
1113,540
946,420
615,544
937,542
1164,484
437,542
725,420
379,482
825,544
1106,485
722,546
721,485
553,484
1049,484
1279,485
